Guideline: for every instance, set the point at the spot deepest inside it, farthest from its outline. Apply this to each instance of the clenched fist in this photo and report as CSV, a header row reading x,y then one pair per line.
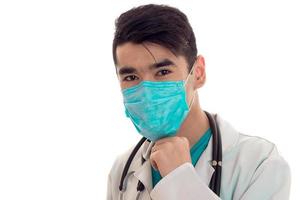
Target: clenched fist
x,y
169,153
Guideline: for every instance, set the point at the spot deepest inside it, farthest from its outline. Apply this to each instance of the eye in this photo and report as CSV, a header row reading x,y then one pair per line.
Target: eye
x,y
163,72
130,78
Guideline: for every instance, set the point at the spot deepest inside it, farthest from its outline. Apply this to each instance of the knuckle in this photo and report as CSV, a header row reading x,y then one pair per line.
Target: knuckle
x,y
185,140
177,139
154,156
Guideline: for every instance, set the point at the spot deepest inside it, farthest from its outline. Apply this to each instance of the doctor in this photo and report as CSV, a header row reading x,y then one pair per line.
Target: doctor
x,y
159,71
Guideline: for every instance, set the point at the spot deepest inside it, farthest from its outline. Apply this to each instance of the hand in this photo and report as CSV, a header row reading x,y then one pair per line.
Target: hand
x,y
169,153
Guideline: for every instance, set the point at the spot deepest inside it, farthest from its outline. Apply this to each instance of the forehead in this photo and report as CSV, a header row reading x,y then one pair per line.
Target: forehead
x,y
143,54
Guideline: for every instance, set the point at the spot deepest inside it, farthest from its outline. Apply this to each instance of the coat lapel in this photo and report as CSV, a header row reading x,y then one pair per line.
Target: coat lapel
x,y
203,166
229,138
143,172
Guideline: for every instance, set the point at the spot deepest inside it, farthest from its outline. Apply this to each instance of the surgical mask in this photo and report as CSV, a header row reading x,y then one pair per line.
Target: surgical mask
x,y
157,109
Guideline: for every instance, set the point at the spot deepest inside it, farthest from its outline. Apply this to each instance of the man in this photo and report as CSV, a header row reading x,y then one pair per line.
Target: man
x,y
159,71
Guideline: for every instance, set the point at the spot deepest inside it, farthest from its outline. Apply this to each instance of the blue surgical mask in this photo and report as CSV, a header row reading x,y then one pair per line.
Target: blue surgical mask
x,y
157,109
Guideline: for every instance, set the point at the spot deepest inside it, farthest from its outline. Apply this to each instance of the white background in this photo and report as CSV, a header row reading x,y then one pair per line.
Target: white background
x,y
62,121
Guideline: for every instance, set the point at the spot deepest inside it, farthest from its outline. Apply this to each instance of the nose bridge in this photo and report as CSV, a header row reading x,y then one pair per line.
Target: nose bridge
x,y
147,75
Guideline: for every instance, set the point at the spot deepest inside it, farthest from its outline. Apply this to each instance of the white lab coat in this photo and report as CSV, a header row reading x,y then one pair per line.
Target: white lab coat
x,y
251,169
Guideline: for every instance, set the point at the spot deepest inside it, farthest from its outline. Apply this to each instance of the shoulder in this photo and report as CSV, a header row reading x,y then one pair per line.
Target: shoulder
x,y
256,154
253,149
243,146
255,160
256,145
261,149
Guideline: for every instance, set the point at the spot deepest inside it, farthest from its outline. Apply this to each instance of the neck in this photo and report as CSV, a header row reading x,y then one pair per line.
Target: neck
x,y
195,124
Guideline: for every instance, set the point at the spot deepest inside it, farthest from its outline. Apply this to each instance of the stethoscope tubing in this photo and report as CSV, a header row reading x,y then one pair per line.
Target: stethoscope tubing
x,y
215,182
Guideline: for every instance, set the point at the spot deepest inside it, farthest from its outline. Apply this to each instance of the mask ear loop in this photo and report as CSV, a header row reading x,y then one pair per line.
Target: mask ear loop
x,y
186,80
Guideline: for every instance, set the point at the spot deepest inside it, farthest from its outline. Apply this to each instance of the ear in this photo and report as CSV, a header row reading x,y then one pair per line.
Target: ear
x,y
200,74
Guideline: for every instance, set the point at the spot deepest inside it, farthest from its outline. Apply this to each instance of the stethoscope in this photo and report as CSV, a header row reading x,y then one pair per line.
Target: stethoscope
x,y
215,182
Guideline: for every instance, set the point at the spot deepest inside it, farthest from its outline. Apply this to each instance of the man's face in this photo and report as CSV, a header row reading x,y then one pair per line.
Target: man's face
x,y
153,62
148,62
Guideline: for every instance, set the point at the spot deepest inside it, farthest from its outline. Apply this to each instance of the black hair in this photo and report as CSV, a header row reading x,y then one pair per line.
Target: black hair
x,y
160,24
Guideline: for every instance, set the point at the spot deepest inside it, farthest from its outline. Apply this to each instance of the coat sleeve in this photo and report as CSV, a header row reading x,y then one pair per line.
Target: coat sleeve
x,y
182,183
271,180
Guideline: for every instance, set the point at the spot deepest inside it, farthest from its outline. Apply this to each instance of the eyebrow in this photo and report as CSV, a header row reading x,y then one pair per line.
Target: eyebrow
x,y
127,70
131,70
163,63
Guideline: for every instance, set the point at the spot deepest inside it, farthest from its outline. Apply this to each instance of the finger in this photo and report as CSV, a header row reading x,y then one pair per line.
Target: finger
x,y
186,140
153,149
161,147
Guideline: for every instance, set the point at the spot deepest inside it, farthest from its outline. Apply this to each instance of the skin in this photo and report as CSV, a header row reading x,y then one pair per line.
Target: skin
x,y
138,61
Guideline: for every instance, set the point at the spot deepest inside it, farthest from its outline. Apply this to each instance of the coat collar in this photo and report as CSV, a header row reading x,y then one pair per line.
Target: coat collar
x,y
203,167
